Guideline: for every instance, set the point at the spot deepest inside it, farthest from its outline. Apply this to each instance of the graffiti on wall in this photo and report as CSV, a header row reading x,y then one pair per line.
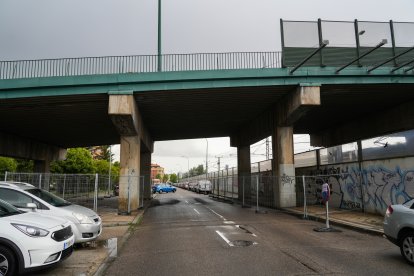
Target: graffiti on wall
x,y
373,189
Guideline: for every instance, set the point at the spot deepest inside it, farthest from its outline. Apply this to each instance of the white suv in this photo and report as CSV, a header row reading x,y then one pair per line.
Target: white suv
x,y
86,224
399,228
30,241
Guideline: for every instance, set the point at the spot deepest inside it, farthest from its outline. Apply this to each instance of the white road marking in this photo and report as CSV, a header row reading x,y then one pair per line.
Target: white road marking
x,y
217,214
186,201
224,238
229,222
196,211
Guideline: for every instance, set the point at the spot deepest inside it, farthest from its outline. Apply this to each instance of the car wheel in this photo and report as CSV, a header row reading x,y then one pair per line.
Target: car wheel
x,y
407,247
7,262
160,191
173,191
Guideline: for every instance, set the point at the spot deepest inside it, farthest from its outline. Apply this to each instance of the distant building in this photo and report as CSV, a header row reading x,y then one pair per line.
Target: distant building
x,y
156,170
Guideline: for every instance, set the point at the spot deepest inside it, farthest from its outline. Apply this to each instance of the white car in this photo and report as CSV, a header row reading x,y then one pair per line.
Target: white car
x,y
86,224
203,186
399,228
30,241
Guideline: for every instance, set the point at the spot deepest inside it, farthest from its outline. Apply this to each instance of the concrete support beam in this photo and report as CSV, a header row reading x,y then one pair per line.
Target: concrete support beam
x,y
296,104
243,172
126,117
129,191
146,173
285,113
397,119
24,148
278,122
283,167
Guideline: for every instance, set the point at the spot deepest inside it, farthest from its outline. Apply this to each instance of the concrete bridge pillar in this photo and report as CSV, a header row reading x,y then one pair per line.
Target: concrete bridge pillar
x,y
126,117
283,167
129,192
243,173
288,111
146,173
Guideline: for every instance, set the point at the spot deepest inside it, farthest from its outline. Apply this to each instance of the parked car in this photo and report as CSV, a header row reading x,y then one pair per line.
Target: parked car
x,y
399,228
163,188
203,186
192,186
86,224
30,241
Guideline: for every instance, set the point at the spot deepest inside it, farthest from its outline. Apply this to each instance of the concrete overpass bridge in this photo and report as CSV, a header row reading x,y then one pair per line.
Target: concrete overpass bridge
x,y
47,106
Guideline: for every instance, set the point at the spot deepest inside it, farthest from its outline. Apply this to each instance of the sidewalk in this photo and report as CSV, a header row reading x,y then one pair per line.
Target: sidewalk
x,y
91,258
371,223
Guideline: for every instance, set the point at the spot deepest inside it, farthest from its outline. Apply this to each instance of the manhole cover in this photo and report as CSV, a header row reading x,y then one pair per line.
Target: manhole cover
x,y
241,243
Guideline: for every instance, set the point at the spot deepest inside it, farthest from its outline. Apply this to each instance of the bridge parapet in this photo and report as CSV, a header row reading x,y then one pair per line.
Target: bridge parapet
x,y
137,64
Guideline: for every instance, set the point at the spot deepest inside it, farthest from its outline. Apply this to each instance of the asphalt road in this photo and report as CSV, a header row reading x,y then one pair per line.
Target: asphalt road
x,y
189,234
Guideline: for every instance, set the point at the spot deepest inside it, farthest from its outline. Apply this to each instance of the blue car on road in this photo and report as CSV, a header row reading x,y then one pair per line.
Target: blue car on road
x,y
163,188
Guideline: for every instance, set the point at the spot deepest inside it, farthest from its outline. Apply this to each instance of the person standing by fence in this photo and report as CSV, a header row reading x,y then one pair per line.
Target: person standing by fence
x,y
326,192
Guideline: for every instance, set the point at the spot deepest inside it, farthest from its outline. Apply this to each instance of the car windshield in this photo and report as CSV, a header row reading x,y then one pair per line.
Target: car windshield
x,y
49,197
7,209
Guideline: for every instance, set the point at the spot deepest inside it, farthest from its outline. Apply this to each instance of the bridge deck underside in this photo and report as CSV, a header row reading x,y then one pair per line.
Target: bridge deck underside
x,y
82,120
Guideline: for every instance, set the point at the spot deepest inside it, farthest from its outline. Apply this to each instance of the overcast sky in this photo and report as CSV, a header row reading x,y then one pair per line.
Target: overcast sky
x,y
34,29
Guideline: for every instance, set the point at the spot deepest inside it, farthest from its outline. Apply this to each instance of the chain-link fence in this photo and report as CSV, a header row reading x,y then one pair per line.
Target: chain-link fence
x,y
94,191
345,194
265,190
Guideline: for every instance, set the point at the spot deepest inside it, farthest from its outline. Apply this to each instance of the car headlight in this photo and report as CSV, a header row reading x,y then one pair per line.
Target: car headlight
x,y
83,219
31,231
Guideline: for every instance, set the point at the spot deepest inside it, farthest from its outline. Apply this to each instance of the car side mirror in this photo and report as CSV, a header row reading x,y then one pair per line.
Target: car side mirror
x,y
31,206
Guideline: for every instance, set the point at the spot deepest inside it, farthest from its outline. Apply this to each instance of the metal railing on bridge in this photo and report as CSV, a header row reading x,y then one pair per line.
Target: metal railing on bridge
x,y
137,64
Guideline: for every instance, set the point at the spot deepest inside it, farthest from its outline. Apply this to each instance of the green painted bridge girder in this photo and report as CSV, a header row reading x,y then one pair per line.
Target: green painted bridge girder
x,y
164,81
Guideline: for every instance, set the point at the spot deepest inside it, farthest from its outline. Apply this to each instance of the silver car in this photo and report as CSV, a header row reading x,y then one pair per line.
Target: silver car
x,y
86,224
399,228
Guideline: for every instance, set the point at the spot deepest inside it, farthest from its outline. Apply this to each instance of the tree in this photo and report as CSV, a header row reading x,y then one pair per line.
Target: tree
x,y
173,178
24,165
7,164
165,178
78,160
158,176
102,167
101,152
199,170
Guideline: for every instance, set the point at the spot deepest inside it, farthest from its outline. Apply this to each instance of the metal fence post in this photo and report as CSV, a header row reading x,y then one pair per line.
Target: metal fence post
x,y
305,208
40,181
232,184
64,185
243,190
95,198
257,193
142,178
5,176
129,193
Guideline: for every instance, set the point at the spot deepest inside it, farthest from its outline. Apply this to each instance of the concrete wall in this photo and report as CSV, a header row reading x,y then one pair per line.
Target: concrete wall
x,y
383,182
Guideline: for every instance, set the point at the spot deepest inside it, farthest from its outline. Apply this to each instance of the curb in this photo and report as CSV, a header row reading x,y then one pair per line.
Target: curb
x,y
345,224
102,268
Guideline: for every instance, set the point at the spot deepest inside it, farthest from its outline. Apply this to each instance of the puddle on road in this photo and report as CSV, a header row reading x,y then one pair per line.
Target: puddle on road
x,y
157,202
242,243
110,244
